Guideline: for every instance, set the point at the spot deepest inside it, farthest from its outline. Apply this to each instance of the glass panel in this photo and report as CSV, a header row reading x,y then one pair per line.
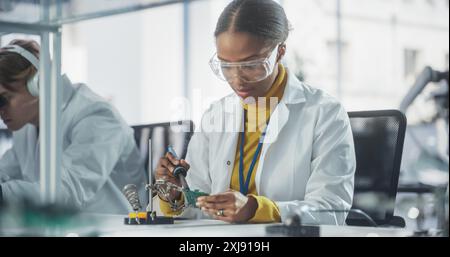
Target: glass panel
x,y
65,11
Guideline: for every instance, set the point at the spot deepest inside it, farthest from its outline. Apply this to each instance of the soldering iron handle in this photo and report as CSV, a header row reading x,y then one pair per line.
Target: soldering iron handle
x,y
178,168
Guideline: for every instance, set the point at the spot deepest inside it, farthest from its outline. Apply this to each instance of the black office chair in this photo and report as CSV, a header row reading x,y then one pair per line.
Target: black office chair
x,y
176,134
378,138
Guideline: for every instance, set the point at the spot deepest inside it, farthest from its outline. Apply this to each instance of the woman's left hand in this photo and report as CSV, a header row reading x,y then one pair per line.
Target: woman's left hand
x,y
230,206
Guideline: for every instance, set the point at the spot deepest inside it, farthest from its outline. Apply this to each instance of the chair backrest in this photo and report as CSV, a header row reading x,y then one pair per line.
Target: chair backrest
x,y
176,134
378,138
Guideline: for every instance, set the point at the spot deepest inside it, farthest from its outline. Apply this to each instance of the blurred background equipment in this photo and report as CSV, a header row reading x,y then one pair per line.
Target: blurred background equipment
x,y
426,158
425,166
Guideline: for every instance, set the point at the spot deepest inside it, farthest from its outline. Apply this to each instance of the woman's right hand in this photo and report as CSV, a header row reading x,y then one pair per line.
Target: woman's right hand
x,y
164,171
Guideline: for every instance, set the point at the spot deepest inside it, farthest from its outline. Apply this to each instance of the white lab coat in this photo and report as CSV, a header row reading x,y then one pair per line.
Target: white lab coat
x,y
99,156
307,160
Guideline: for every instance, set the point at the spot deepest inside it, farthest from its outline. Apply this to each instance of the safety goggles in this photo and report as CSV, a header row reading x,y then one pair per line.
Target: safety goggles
x,y
249,71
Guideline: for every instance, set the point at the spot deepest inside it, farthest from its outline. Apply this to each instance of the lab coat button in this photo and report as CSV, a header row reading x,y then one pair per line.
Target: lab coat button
x,y
228,163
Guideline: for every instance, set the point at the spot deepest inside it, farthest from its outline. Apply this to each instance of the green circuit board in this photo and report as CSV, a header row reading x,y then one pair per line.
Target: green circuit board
x,y
191,196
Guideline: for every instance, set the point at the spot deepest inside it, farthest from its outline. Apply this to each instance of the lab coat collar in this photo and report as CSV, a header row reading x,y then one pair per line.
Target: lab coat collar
x,y
68,90
294,92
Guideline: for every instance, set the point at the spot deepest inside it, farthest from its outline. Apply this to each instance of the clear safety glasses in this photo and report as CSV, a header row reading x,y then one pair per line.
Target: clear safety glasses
x,y
249,71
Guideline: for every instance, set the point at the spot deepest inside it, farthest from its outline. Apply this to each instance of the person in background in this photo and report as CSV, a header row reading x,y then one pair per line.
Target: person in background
x,y
99,154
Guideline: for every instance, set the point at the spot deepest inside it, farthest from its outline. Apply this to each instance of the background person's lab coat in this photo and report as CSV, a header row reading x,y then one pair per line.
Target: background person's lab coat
x,y
307,161
99,156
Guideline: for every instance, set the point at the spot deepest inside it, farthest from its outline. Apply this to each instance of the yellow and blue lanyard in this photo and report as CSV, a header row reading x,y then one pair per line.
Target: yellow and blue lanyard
x,y
244,184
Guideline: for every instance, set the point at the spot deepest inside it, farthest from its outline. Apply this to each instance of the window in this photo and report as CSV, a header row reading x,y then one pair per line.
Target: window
x,y
332,51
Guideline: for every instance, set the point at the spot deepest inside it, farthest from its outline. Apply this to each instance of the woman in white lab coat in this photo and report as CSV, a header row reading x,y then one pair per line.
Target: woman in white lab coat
x,y
303,165
99,152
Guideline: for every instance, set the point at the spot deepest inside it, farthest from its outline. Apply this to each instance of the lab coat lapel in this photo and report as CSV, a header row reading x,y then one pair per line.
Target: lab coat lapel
x,y
278,120
293,94
233,122
68,90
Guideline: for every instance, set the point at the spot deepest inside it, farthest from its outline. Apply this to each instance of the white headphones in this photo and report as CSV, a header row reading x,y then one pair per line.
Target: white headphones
x,y
33,82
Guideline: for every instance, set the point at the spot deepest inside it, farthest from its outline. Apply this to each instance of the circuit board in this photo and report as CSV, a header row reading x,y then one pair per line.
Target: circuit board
x,y
191,196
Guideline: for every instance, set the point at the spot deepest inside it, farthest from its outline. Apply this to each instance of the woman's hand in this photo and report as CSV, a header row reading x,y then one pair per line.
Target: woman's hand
x,y
164,171
230,206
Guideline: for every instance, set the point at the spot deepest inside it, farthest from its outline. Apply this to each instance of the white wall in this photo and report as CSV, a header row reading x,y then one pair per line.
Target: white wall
x,y
162,62
205,87
133,60
106,55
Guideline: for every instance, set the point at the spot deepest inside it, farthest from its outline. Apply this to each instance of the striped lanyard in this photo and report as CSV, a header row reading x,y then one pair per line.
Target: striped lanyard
x,y
244,184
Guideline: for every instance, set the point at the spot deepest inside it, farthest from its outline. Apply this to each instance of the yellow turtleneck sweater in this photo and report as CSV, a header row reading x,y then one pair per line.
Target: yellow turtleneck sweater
x,y
257,118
